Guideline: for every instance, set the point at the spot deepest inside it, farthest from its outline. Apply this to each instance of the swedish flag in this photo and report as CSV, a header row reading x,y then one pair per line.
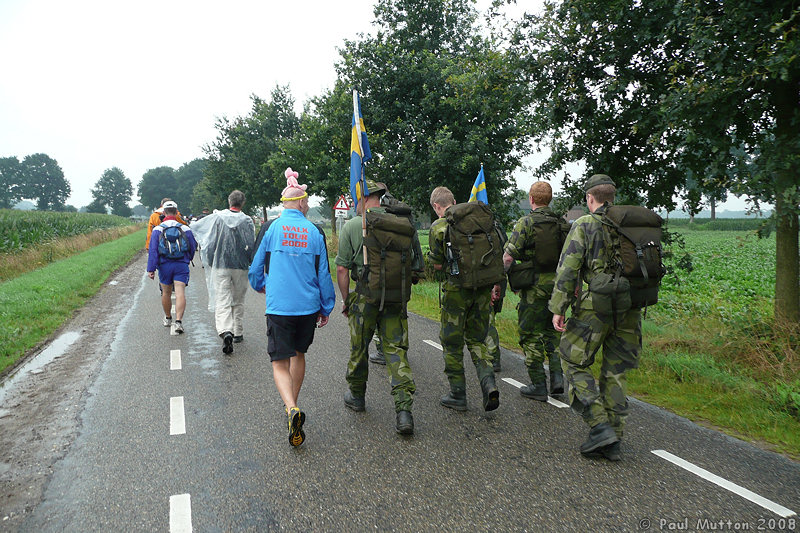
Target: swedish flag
x,y
478,193
359,152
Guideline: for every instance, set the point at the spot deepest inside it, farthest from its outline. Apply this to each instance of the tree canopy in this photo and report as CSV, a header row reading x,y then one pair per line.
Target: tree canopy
x,y
43,180
10,182
114,190
657,93
156,184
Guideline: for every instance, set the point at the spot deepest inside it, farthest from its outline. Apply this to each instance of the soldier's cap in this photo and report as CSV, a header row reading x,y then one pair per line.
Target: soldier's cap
x,y
374,187
169,204
598,179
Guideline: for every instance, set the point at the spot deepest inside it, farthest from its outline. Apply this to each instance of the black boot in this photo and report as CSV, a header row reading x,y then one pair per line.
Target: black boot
x,y
537,391
227,342
556,383
612,452
455,399
599,436
356,403
405,423
491,396
496,364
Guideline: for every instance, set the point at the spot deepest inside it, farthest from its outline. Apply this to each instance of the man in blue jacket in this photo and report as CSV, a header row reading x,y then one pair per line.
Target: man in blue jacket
x,y
171,249
291,266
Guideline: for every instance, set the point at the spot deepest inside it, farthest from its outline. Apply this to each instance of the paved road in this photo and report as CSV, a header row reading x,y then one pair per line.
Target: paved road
x,y
232,469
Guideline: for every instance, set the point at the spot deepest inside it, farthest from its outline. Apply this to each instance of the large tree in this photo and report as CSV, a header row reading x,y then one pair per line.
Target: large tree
x,y
186,177
156,184
438,99
43,180
10,182
114,190
654,92
247,153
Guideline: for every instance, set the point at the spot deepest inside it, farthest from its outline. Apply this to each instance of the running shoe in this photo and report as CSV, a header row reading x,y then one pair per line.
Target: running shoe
x,y
296,420
167,321
178,326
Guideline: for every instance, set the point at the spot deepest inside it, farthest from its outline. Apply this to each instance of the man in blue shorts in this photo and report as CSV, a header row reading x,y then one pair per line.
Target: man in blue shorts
x,y
172,248
291,267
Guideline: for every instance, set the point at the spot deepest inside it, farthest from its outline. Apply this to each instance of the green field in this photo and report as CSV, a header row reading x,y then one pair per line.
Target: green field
x,y
21,229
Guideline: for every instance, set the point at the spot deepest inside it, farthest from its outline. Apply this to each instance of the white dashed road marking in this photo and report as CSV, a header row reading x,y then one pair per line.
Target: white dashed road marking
x,y
177,421
437,346
180,513
725,484
174,359
552,401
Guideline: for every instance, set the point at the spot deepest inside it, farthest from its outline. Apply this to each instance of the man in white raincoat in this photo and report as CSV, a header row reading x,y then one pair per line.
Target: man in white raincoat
x,y
226,240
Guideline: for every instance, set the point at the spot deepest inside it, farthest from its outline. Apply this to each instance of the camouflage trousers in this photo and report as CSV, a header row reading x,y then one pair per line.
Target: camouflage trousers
x,y
493,338
391,325
537,337
465,320
604,400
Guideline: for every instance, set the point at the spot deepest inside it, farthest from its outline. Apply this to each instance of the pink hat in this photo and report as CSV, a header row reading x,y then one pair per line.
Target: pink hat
x,y
293,191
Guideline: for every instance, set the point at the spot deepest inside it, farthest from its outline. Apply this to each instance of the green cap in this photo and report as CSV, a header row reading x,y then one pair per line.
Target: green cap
x,y
375,188
598,179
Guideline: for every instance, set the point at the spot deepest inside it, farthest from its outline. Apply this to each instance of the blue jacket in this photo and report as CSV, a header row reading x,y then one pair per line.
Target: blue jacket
x,y
153,259
297,283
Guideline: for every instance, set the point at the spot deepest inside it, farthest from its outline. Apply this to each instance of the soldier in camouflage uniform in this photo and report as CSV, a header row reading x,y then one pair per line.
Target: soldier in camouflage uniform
x,y
464,319
536,336
365,318
603,406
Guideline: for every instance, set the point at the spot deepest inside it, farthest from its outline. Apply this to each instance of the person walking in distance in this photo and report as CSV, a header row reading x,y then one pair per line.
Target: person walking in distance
x,y
536,240
291,267
226,240
172,247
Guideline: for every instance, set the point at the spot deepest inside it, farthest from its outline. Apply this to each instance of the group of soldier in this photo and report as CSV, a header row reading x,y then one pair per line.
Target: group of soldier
x,y
569,345
292,256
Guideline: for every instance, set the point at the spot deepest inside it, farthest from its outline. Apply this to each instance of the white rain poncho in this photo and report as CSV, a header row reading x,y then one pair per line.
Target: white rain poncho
x,y
226,240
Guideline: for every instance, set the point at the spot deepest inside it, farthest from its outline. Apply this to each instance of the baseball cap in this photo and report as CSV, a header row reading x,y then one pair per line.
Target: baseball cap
x,y
598,179
170,204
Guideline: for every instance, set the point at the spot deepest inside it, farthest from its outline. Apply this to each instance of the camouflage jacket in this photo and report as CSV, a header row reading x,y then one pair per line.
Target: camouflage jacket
x,y
437,246
584,256
522,246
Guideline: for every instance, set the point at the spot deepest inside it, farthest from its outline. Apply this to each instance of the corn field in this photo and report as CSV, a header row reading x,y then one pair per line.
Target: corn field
x,y
21,229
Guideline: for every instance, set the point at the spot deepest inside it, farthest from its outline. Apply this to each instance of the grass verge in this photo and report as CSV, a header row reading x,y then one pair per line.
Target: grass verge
x,y
34,305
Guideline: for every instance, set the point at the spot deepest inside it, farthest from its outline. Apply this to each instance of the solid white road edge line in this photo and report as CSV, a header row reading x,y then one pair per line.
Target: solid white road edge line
x,y
174,359
725,484
180,513
177,421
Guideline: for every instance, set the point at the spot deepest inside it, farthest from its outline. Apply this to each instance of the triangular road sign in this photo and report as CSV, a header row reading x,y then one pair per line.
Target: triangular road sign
x,y
341,205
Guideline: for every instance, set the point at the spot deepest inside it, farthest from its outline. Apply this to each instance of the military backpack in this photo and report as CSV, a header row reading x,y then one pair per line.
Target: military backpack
x,y
474,246
386,277
632,236
549,233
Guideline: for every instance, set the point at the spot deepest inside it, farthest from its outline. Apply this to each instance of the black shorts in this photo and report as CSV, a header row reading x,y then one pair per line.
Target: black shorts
x,y
287,335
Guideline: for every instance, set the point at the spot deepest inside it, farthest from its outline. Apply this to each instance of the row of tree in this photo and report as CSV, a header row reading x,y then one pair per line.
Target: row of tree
x,y
692,98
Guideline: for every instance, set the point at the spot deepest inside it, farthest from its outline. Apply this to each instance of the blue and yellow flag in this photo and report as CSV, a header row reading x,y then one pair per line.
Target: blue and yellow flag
x,y
478,193
359,152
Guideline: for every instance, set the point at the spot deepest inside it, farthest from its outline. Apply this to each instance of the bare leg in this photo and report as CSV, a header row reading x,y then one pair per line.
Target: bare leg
x,y
180,299
297,369
283,382
166,299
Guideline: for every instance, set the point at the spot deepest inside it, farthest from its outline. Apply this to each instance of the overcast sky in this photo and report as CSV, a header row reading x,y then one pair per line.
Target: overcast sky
x,y
99,83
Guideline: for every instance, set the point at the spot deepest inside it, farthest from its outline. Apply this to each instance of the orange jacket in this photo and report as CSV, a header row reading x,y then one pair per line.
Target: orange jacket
x,y
155,220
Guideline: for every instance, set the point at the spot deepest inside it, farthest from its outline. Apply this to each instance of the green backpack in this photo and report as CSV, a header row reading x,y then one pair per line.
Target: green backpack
x,y
632,236
386,277
549,234
475,246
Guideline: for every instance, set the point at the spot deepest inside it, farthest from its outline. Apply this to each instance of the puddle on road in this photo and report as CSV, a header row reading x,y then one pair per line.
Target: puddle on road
x,y
36,364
